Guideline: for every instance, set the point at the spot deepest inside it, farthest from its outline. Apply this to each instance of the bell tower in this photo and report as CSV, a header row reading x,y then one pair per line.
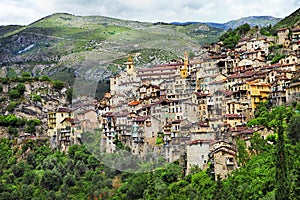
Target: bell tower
x,y
184,68
129,66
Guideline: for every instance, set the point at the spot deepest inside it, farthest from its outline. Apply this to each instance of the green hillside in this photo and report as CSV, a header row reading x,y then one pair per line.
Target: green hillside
x,y
289,21
91,46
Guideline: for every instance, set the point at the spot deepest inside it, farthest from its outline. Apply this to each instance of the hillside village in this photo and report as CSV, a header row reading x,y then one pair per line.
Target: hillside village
x,y
192,109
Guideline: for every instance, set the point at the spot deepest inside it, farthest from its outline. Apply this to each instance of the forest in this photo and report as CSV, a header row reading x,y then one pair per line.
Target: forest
x,y
269,169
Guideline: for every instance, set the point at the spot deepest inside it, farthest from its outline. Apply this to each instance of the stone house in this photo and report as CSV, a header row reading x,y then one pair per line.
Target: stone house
x,y
278,90
234,119
197,154
257,44
88,119
63,129
293,92
222,157
283,36
108,132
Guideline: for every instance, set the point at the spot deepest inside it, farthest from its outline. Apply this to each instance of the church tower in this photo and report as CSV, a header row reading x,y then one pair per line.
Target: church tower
x,y
130,66
184,68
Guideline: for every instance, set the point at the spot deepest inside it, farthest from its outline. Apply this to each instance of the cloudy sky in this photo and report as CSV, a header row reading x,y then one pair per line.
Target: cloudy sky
x,y
27,11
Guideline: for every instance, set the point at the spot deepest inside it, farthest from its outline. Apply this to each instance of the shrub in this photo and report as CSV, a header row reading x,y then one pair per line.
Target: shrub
x,y
21,88
45,78
14,94
11,106
58,85
36,97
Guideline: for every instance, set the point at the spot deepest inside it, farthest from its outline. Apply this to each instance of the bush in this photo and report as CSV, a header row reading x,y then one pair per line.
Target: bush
x,y
26,75
45,78
58,85
12,130
14,94
277,58
36,97
21,88
11,106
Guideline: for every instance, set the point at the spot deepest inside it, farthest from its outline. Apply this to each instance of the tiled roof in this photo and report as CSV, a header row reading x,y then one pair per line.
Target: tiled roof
x,y
134,103
108,114
62,109
141,118
71,120
161,68
234,116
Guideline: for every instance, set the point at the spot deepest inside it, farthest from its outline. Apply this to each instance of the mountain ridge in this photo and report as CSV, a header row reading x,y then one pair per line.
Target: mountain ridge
x,y
260,21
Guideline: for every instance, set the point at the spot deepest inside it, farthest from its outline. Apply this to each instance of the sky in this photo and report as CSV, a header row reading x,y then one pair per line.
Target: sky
x,y
24,12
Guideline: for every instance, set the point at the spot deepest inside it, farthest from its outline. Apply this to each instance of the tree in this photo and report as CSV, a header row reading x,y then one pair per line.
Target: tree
x,y
242,154
71,93
281,172
275,120
294,129
51,180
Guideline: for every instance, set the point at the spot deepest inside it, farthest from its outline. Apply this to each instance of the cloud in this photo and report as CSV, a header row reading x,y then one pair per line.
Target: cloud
x,y
28,11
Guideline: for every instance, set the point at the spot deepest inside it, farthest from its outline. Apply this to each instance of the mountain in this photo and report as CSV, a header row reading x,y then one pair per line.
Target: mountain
x,y
260,21
289,21
65,46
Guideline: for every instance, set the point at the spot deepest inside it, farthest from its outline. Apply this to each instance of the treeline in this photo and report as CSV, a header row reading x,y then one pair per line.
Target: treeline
x,y
13,123
27,77
34,171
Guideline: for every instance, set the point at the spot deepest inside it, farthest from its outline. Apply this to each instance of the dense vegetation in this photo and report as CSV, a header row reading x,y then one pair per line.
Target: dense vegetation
x,y
33,171
289,21
231,37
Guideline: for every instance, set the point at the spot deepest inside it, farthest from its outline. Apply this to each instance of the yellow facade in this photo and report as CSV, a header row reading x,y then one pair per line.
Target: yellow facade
x,y
55,119
184,68
259,92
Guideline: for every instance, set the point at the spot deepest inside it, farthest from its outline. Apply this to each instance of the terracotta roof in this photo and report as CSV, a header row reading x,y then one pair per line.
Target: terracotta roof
x,y
141,118
203,124
226,149
108,114
281,29
238,128
234,116
199,94
134,103
295,29
71,120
